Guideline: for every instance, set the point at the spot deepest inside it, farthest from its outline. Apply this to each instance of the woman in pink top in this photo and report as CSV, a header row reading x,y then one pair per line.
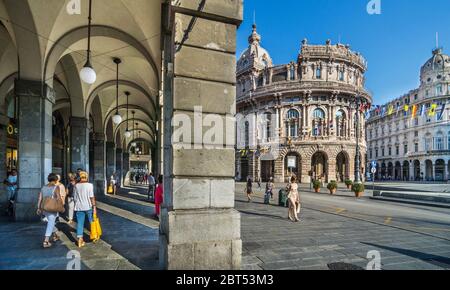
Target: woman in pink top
x,y
159,193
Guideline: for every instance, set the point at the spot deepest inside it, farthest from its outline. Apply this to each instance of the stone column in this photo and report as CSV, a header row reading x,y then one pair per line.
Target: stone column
x,y
36,101
200,229
110,148
332,169
306,168
125,167
279,170
412,173
119,164
4,121
99,174
79,136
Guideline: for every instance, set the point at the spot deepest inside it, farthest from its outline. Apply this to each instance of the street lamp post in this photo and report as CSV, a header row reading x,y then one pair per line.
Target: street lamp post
x,y
358,153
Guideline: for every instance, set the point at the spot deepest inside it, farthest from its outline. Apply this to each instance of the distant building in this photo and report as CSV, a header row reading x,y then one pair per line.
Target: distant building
x,y
408,141
310,109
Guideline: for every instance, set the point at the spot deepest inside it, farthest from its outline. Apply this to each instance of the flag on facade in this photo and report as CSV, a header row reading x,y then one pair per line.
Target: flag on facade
x,y
406,109
432,111
422,111
383,111
414,111
367,115
391,110
441,114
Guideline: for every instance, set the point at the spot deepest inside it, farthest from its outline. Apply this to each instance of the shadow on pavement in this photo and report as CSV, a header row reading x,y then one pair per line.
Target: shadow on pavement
x,y
443,262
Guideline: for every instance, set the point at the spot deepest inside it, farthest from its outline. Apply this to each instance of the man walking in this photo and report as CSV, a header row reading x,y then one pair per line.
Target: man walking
x,y
151,186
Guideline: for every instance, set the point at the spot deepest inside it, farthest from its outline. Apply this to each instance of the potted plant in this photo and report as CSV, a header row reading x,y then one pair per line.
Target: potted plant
x,y
317,185
349,183
358,189
332,186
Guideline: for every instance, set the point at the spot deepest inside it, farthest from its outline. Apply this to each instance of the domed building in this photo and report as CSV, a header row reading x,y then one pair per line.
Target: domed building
x,y
308,109
409,137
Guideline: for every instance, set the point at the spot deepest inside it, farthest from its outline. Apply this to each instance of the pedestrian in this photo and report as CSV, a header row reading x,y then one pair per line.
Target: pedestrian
x,y
269,188
85,205
112,183
62,189
70,197
11,184
294,200
159,196
258,180
249,189
145,178
51,190
151,187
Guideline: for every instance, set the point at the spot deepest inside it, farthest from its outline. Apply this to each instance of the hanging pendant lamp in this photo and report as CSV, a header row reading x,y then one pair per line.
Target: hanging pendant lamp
x,y
117,119
127,132
87,73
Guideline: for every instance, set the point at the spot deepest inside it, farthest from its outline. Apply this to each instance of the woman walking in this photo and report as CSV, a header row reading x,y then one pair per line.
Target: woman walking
x,y
51,190
85,205
294,200
70,196
159,196
249,189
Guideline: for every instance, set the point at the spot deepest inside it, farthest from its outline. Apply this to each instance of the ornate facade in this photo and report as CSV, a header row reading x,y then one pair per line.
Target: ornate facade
x,y
408,142
311,106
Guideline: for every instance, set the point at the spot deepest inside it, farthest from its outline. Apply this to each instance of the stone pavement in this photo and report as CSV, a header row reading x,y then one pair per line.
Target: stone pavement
x,y
130,240
270,241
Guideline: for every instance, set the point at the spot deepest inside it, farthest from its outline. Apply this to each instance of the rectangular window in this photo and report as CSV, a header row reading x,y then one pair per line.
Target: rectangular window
x,y
382,152
439,90
416,133
390,151
376,153
318,73
371,154
439,143
397,150
416,122
416,147
405,149
341,76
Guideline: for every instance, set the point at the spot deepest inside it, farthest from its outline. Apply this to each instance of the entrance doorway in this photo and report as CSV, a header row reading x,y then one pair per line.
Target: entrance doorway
x,y
319,168
342,167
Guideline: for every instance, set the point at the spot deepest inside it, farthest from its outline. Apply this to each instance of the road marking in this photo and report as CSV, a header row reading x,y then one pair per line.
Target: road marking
x,y
340,210
387,221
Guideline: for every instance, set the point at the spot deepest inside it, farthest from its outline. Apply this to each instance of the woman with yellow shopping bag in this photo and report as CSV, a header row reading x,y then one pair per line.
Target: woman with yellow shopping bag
x,y
96,229
85,205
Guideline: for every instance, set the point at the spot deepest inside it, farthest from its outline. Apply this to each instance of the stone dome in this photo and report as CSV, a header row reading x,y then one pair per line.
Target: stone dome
x,y
438,64
254,56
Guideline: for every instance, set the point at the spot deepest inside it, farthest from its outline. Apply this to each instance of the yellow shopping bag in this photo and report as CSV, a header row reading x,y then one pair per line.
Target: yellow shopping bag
x,y
96,229
110,189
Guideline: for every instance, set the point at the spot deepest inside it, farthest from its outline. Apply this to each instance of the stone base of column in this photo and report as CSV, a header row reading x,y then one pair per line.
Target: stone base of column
x,y
200,240
25,208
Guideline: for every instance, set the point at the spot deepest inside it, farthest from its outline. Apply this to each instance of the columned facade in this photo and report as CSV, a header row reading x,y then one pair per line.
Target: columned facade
x,y
411,134
300,116
80,144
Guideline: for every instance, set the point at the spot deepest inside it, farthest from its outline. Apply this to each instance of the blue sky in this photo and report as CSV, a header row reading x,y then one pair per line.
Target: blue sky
x,y
396,43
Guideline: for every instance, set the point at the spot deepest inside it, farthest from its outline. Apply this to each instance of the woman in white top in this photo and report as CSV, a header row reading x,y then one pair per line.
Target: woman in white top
x,y
85,205
50,190
294,200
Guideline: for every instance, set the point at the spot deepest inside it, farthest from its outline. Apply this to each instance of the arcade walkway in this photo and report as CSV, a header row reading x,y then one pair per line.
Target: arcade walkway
x,y
130,239
334,229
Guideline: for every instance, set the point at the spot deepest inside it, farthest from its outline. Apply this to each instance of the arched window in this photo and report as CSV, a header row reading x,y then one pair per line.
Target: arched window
x,y
292,124
341,124
439,142
318,123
